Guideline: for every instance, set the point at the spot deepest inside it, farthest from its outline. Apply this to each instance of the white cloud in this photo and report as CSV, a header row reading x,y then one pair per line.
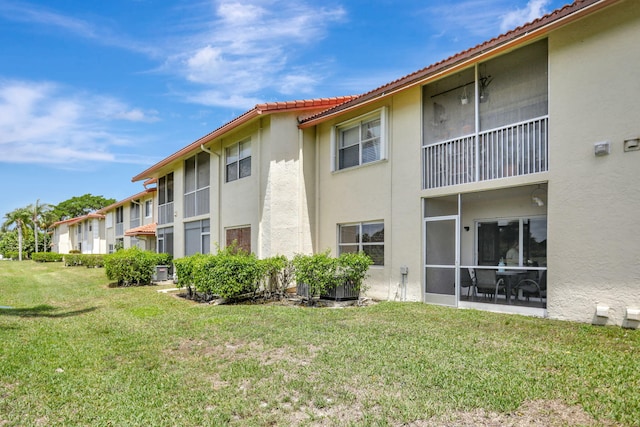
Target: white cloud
x,y
481,18
41,15
40,123
533,10
248,48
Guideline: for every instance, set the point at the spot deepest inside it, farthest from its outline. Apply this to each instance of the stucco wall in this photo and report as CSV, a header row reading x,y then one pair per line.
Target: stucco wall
x,y
594,244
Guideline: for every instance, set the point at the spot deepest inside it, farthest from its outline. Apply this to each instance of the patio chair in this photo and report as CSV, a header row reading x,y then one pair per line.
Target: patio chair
x,y
468,280
534,287
488,284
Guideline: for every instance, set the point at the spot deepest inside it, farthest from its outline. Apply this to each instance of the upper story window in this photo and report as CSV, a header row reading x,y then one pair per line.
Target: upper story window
x,y
148,208
359,141
119,215
196,185
238,160
165,189
165,199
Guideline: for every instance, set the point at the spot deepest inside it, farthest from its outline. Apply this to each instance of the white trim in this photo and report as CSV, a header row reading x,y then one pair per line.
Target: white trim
x,y
380,113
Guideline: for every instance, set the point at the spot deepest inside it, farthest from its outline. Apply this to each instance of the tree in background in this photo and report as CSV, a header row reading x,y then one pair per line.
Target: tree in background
x,y
19,220
80,205
46,222
38,212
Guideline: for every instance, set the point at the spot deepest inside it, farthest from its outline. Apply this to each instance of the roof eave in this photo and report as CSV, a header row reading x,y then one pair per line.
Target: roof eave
x,y
524,34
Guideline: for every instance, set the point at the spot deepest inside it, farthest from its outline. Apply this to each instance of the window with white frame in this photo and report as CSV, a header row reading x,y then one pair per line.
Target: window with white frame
x,y
238,160
196,185
360,141
197,237
148,208
367,237
165,199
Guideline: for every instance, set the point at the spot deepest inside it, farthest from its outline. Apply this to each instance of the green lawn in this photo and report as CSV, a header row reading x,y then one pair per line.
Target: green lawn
x,y
76,352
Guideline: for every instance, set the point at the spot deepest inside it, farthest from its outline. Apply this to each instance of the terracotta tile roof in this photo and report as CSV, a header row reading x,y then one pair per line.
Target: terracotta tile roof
x,y
78,219
519,35
128,199
258,110
143,230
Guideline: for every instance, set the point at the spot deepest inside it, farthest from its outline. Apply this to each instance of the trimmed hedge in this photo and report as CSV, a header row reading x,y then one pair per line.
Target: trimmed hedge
x,y
15,255
47,257
85,260
227,274
322,273
133,266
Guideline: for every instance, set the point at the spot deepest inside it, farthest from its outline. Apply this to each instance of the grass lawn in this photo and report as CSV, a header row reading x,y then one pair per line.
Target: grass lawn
x,y
76,352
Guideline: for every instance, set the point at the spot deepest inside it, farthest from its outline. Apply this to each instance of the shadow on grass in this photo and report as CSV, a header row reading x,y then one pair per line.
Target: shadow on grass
x,y
42,310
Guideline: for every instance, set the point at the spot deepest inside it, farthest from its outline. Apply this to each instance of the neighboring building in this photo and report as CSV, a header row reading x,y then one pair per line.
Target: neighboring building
x,y
243,182
85,234
520,151
528,141
131,222
60,238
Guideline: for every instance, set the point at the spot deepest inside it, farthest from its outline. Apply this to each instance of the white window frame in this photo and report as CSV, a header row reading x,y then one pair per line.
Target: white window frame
x,y
237,159
360,245
336,132
148,208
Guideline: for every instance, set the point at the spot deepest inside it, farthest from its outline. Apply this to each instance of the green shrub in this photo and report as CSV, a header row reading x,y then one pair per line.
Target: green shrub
x,y
278,274
72,260
14,255
353,268
186,269
131,267
47,257
317,272
228,274
321,273
92,260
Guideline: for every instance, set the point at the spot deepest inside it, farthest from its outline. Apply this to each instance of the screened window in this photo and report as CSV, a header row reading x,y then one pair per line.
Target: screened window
x,y
165,240
240,235
148,208
197,237
367,237
134,214
165,199
196,185
360,142
238,160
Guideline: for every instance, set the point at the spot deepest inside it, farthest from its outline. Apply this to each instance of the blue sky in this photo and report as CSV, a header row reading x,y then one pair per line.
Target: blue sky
x,y
94,92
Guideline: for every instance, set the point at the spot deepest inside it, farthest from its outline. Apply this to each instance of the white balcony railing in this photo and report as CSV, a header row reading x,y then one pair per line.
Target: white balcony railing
x,y
513,150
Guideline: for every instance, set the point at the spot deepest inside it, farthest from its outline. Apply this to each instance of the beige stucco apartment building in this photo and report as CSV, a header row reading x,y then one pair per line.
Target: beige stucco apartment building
x,y
501,178
526,141
131,222
244,182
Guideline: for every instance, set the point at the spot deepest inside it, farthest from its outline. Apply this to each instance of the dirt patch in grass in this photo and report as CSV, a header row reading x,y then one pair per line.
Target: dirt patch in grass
x,y
548,413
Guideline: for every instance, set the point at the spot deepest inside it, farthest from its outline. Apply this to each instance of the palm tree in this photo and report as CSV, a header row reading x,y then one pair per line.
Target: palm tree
x,y
37,214
19,219
46,222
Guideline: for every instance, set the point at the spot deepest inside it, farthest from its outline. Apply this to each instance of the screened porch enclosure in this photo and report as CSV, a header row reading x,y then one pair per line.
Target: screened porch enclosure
x,y
488,122
487,249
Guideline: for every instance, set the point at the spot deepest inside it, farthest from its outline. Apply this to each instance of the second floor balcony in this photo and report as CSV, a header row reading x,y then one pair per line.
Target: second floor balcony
x,y
513,150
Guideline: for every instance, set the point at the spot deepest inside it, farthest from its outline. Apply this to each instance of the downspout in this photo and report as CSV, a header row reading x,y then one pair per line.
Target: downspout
x,y
301,190
260,197
317,195
219,187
